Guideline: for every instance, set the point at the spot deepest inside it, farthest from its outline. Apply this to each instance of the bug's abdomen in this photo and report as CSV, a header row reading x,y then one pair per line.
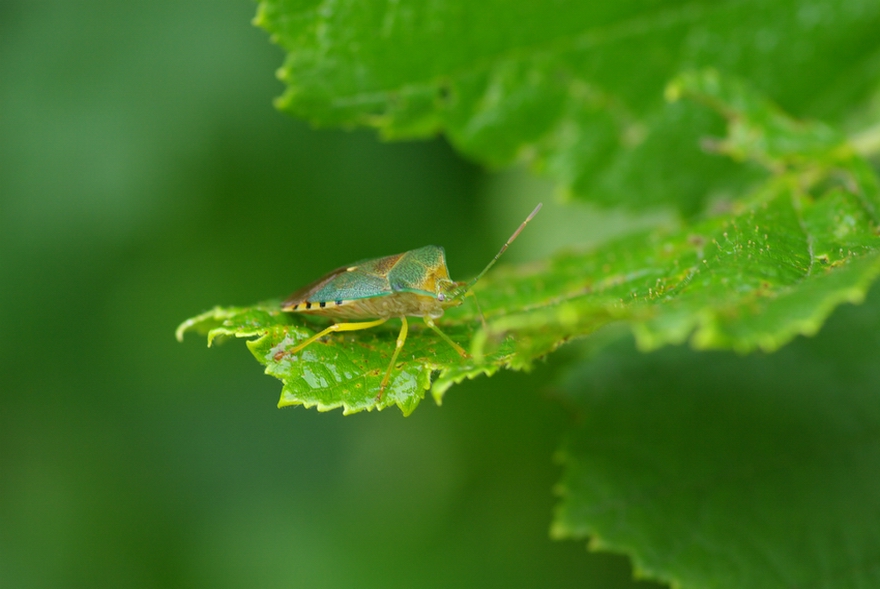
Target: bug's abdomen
x,y
392,305
312,307
340,309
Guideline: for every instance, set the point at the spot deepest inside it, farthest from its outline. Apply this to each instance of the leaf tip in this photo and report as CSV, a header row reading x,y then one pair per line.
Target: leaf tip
x,y
181,329
437,394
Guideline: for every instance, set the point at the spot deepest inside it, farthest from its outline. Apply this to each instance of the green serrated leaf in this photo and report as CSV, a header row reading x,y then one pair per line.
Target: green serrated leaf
x,y
576,89
346,370
771,268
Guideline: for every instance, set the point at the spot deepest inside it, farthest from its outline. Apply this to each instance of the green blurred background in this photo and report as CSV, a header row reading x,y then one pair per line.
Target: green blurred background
x,y
146,177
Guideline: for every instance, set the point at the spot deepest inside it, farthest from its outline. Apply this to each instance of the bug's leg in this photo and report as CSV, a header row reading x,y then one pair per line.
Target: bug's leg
x,y
333,328
400,339
430,323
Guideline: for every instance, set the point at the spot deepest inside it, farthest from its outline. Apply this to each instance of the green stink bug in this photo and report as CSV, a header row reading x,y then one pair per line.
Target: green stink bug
x,y
412,284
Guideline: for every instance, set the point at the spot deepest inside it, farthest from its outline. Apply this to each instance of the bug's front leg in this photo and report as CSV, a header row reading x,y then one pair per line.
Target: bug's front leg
x,y
430,323
333,328
401,338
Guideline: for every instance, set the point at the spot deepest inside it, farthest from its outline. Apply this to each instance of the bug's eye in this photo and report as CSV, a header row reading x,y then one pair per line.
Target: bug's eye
x,y
441,297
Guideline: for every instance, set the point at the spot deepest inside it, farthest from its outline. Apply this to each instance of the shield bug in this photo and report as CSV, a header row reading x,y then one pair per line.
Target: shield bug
x,y
412,284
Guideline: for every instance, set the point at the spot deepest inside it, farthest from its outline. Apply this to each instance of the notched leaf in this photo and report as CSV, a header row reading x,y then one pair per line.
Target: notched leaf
x,y
773,267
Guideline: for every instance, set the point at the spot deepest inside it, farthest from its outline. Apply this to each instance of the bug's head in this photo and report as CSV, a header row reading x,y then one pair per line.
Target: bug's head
x,y
451,293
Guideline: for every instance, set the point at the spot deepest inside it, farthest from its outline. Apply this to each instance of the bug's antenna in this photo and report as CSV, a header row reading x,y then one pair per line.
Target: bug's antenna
x,y
504,247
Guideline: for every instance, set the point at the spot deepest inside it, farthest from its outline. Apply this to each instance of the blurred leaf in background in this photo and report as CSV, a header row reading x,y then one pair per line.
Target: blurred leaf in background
x,y
724,471
575,88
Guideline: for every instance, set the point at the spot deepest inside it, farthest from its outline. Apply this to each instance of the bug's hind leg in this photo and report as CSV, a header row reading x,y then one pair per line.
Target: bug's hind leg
x,y
401,338
430,323
333,328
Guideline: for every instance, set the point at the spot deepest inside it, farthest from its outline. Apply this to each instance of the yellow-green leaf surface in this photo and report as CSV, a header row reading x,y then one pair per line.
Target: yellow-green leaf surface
x,y
576,88
773,266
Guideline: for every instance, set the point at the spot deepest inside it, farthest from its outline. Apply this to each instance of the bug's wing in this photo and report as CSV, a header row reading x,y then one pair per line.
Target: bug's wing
x,y
306,293
361,280
353,283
